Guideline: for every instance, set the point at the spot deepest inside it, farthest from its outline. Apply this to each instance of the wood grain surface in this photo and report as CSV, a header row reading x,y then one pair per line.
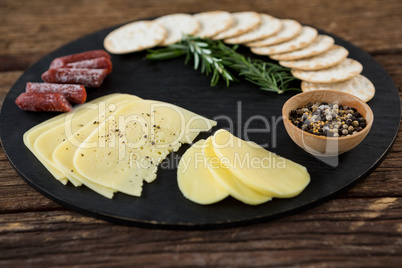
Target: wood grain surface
x,y
360,228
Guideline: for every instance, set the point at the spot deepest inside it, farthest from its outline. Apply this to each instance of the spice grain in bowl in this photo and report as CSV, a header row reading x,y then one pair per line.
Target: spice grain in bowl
x,y
328,119
324,142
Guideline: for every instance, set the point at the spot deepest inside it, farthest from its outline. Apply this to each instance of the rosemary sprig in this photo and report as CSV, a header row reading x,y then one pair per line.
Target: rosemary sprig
x,y
216,58
202,55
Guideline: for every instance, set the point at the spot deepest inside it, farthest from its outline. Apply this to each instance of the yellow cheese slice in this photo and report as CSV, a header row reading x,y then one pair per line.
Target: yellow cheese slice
x,y
258,168
64,153
229,181
32,134
195,180
30,137
134,141
46,143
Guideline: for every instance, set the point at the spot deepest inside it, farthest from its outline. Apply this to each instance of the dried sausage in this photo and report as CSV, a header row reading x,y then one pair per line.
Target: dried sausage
x,y
92,54
82,76
73,93
98,63
40,102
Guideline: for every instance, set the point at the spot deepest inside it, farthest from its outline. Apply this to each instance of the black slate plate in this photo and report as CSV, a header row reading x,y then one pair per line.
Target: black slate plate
x,y
162,204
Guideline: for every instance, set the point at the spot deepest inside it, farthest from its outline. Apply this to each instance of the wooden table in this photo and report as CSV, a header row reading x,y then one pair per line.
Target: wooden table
x,y
360,228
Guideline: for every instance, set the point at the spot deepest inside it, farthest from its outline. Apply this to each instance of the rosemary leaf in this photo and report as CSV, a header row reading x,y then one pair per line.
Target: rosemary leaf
x,y
165,54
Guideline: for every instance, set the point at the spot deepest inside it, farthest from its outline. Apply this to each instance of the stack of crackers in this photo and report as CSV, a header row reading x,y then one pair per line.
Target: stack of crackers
x,y
314,58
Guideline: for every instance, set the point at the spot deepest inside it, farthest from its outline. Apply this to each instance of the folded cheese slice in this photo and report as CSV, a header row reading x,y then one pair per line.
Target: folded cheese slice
x,y
223,175
195,179
30,137
33,134
60,130
258,168
64,153
129,145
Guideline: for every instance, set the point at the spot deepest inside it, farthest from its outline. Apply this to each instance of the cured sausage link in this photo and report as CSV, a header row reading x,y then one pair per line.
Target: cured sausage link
x,y
92,54
43,102
98,63
73,93
82,76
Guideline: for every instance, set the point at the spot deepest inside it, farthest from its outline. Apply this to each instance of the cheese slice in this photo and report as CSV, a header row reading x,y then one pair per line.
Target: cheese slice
x,y
231,183
32,134
133,141
47,142
195,180
258,168
64,153
30,137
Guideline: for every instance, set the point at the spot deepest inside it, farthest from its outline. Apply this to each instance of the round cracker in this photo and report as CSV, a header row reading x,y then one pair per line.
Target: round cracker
x,y
305,38
134,36
290,29
213,22
321,44
329,58
358,86
268,27
176,25
243,23
343,71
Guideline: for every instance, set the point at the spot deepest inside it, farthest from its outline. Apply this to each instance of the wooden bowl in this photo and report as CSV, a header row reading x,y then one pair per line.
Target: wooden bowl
x,y
321,145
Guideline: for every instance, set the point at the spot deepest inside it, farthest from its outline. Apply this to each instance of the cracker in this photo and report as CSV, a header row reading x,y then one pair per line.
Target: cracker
x,y
213,22
321,44
305,38
243,23
343,71
358,86
268,27
290,29
329,58
176,25
134,36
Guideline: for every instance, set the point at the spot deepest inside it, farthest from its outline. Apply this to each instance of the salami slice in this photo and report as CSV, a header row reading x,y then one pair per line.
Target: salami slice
x,y
73,93
98,63
43,102
92,54
81,76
